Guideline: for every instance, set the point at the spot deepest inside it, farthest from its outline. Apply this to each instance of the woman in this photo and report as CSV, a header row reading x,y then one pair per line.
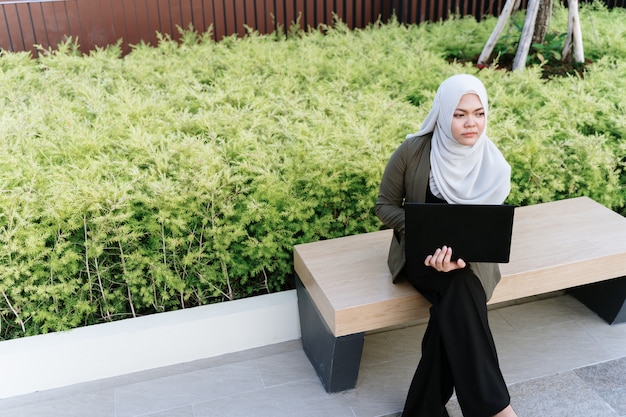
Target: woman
x,y
450,160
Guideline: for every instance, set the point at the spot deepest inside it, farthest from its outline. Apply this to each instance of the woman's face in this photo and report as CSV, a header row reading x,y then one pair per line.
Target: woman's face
x,y
468,121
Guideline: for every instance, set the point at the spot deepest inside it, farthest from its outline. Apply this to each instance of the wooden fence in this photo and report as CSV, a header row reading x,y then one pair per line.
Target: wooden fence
x,y
102,22
25,23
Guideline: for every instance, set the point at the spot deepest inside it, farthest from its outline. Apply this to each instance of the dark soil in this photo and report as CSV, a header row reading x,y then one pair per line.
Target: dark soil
x,y
549,69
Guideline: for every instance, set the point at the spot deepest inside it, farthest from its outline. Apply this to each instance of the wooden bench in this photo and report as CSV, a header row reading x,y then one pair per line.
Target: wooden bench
x,y
344,286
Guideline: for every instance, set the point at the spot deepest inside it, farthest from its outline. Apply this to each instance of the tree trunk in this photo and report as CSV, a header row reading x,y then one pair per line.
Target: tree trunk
x,y
543,21
527,35
509,7
574,35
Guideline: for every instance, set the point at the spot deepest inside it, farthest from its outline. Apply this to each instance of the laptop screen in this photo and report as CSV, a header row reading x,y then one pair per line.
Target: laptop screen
x,y
476,233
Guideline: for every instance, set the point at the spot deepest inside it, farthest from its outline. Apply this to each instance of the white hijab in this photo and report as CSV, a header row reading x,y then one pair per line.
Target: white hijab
x,y
461,174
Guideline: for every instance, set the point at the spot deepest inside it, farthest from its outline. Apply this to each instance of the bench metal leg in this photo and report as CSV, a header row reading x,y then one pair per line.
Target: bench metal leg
x,y
335,359
606,298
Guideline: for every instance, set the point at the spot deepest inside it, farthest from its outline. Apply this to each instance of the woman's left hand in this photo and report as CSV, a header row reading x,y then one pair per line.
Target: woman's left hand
x,y
441,260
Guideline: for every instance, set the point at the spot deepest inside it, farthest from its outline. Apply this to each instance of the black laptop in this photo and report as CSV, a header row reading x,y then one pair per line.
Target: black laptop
x,y
476,233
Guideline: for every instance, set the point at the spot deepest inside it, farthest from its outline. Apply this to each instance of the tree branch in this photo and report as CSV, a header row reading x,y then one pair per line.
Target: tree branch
x,y
19,319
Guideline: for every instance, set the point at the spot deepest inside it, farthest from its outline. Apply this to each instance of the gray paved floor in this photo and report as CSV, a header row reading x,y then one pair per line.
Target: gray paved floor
x,y
559,359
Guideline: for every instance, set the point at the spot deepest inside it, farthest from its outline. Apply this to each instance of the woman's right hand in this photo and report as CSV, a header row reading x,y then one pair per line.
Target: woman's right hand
x,y
441,260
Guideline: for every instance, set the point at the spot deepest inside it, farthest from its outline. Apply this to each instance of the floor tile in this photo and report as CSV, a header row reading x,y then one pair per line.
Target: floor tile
x,y
608,380
544,313
237,357
20,400
381,388
610,337
561,395
284,368
558,395
302,399
187,388
186,411
391,345
97,404
543,351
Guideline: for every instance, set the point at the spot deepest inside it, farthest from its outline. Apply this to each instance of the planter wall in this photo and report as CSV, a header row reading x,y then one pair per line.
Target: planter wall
x,y
55,360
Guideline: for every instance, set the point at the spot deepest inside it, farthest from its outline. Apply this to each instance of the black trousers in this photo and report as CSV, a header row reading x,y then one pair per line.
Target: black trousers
x,y
458,352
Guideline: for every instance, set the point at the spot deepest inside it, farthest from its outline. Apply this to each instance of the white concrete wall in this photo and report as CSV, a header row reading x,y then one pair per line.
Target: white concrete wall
x,y
54,360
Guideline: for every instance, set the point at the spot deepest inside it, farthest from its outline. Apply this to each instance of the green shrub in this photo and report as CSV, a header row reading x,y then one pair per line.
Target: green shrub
x,y
183,175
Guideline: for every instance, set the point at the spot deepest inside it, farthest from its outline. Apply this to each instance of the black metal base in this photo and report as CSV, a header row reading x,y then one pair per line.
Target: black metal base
x,y
335,359
606,298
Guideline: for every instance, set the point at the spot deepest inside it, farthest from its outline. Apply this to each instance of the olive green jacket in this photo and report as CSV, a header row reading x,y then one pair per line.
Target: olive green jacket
x,y
406,179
